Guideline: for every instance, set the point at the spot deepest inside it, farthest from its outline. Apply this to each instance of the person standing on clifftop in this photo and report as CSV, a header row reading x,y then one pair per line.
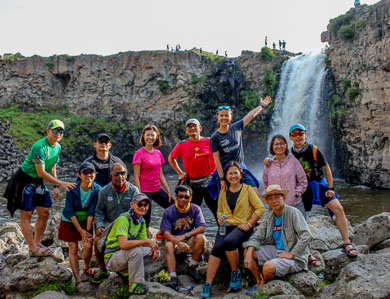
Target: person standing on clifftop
x,y
266,41
26,189
102,159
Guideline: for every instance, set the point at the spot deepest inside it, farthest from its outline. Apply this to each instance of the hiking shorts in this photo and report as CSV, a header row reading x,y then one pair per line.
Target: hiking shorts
x,y
35,196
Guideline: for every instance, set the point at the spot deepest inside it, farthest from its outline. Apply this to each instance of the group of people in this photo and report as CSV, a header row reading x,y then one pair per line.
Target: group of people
x,y
111,216
282,44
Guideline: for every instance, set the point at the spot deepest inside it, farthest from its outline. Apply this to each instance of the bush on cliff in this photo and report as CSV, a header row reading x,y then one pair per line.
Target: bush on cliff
x,y
352,93
336,23
346,32
266,54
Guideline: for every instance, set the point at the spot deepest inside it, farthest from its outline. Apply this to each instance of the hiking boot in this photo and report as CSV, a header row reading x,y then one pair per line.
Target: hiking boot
x,y
206,291
138,289
173,283
124,275
193,273
235,281
100,276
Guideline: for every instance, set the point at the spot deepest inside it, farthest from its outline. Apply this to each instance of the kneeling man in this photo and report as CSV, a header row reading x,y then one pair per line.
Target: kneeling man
x,y
127,246
280,244
183,225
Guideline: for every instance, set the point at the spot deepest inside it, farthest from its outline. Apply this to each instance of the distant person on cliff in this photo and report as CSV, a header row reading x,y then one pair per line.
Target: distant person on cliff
x,y
225,53
167,47
128,250
113,200
77,219
274,45
216,52
148,173
26,189
198,163
284,45
226,145
102,159
266,41
280,45
319,189
357,3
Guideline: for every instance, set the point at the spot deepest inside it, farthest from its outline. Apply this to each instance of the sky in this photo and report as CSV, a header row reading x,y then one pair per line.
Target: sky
x,y
74,27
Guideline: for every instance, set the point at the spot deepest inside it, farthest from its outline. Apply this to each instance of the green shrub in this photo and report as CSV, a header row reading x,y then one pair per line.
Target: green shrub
x,y
68,58
346,32
164,86
327,62
352,93
269,82
50,64
336,23
345,83
250,99
266,54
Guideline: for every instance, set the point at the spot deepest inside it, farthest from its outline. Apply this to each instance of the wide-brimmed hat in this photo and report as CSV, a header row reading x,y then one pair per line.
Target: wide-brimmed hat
x,y
273,189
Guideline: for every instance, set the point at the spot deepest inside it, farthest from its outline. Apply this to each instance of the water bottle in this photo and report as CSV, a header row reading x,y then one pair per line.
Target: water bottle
x,y
222,228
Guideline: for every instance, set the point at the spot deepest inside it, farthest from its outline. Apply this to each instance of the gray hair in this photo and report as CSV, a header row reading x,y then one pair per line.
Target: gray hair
x,y
118,164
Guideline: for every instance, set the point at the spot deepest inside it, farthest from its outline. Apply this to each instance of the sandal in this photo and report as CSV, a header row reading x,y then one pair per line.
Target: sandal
x,y
348,251
90,271
41,251
315,262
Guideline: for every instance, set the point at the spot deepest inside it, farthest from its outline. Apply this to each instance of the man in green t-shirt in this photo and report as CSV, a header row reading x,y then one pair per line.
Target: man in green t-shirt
x,y
127,247
26,190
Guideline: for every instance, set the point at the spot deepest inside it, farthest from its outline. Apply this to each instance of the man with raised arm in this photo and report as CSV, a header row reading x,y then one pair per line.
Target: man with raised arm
x,y
26,189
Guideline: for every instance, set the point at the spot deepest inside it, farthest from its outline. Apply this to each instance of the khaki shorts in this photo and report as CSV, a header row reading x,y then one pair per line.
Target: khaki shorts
x,y
190,243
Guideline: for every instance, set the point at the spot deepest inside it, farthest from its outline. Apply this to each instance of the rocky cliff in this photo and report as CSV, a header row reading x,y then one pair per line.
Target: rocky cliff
x,y
359,56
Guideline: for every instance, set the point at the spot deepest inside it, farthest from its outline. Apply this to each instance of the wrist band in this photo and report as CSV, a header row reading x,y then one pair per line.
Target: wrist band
x,y
222,178
262,106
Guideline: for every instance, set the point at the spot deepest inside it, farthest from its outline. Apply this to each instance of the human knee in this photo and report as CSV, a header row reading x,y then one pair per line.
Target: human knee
x,y
230,244
73,249
269,268
43,213
199,239
169,247
338,210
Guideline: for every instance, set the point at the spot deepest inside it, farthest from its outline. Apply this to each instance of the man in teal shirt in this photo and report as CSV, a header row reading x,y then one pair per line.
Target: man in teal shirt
x,y
26,190
127,247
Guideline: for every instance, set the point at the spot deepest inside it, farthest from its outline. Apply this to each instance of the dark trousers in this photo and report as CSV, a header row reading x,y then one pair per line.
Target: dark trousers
x,y
161,197
232,240
199,194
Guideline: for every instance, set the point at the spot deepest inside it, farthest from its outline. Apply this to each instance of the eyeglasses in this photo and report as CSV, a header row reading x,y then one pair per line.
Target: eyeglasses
x,y
300,133
184,196
87,171
140,205
116,173
223,107
279,144
102,141
55,131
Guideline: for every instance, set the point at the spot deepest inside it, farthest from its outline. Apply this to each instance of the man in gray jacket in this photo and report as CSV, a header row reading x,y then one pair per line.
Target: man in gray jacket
x,y
280,244
113,200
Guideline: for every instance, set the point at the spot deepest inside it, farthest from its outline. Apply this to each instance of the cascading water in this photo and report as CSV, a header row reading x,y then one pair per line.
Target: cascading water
x,y
301,98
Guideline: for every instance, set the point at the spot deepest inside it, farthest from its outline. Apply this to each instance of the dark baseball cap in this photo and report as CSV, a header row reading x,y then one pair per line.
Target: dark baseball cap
x,y
85,166
140,197
101,135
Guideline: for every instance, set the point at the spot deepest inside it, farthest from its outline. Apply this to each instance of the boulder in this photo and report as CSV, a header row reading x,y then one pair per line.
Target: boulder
x,y
288,297
304,281
382,245
157,290
110,286
278,287
50,295
11,227
364,233
368,277
51,229
87,288
320,268
336,260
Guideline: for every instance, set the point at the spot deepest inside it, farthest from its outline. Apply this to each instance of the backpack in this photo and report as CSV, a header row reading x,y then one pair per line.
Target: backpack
x,y
315,153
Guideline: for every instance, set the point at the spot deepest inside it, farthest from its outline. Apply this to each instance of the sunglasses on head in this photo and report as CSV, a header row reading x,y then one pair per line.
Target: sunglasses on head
x,y
223,107
184,196
104,141
140,204
116,173
150,126
300,133
87,171
55,131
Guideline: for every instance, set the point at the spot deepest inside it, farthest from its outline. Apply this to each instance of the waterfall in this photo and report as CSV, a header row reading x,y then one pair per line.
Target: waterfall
x,y
302,98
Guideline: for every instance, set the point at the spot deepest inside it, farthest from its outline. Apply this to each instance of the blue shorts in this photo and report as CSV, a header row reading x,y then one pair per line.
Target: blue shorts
x,y
35,197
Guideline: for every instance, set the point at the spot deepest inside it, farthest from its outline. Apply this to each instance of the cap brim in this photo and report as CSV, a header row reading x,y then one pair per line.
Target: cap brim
x,y
282,192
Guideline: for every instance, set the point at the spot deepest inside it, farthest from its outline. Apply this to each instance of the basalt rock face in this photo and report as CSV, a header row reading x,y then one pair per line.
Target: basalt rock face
x,y
359,54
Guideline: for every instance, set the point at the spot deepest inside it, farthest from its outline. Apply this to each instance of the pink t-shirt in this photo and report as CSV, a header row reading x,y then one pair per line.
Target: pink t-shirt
x,y
149,176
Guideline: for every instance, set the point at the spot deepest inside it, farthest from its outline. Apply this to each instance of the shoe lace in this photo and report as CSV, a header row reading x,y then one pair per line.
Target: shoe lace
x,y
206,288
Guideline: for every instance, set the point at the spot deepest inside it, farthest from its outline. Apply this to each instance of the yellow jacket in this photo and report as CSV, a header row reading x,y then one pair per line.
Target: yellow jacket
x,y
247,203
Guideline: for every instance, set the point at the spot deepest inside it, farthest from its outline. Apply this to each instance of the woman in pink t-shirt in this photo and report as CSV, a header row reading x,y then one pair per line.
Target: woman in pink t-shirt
x,y
148,174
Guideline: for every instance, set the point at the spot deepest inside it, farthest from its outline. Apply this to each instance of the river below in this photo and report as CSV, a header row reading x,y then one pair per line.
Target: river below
x,y
359,203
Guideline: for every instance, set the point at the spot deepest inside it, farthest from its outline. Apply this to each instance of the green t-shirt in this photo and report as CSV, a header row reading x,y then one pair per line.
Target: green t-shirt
x,y
121,228
41,153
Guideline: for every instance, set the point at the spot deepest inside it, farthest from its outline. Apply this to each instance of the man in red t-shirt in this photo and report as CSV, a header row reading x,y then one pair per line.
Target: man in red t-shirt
x,y
198,164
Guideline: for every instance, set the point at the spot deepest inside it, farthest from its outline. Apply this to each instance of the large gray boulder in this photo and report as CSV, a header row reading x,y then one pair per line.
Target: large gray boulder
x,y
50,295
278,287
367,278
304,281
157,290
382,245
373,231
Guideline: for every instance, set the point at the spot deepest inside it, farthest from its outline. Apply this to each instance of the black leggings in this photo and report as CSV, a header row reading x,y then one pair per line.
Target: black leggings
x,y
161,197
199,194
231,241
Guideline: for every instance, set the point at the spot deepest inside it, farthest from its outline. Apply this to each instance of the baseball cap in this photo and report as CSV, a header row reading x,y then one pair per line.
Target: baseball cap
x,y
55,123
86,165
98,136
297,126
140,197
193,121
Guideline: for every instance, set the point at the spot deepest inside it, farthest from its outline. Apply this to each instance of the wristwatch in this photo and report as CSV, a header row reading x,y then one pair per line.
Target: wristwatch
x,y
187,235
331,188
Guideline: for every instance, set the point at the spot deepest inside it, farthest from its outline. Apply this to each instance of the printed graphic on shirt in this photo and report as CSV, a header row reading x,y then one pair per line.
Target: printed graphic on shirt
x,y
230,148
277,228
306,167
196,149
183,223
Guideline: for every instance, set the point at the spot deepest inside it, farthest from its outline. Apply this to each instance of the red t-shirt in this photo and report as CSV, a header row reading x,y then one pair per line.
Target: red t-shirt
x,y
198,160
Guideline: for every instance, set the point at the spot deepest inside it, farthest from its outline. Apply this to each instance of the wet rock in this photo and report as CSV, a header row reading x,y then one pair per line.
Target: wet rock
x,y
278,287
380,224
368,277
304,281
51,295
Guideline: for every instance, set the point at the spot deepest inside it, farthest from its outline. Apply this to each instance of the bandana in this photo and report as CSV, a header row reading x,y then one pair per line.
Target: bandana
x,y
185,210
119,190
301,150
134,218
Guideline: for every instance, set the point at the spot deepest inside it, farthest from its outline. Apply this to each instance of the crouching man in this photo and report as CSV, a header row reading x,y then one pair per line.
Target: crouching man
x,y
127,246
280,244
183,226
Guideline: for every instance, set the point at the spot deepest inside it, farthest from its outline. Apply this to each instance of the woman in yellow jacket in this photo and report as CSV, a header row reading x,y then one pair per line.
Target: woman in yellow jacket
x,y
239,208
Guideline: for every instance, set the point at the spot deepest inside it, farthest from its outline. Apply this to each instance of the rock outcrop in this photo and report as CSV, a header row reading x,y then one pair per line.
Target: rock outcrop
x,y
359,54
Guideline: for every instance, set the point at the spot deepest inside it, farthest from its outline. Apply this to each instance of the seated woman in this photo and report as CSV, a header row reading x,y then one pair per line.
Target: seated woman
x,y
242,208
77,219
280,244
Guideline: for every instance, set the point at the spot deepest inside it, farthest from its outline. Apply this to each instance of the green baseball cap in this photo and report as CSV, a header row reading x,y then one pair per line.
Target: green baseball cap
x,y
56,124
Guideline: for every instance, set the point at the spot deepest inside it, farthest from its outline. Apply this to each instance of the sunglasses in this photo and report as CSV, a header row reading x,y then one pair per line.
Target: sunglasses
x,y
150,126
223,107
106,141
87,172
55,131
140,205
301,133
122,173
184,196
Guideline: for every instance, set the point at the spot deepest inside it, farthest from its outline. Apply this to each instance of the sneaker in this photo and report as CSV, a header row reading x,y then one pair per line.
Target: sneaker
x,y
100,277
124,275
138,289
193,273
206,291
235,281
173,283
252,292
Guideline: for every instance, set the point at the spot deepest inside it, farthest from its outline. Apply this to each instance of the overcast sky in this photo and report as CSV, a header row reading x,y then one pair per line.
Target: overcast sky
x,y
48,27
